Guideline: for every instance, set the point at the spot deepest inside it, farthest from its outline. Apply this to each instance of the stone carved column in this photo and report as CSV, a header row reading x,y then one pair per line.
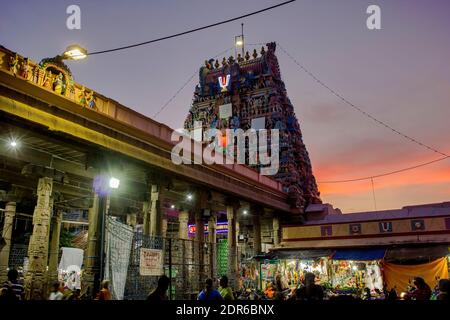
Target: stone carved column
x,y
10,212
256,233
232,247
54,249
146,213
199,243
35,279
276,231
155,212
91,256
212,239
183,218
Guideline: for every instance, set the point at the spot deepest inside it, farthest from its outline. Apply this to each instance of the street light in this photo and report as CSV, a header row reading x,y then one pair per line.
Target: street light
x,y
245,212
74,52
239,41
189,197
13,143
172,206
114,183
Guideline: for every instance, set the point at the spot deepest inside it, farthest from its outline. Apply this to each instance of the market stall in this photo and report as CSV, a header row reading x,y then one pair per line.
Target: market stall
x,y
353,270
402,264
291,266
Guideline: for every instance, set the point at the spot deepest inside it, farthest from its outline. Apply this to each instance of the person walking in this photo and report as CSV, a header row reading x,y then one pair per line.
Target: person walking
x,y
160,293
224,290
209,293
12,289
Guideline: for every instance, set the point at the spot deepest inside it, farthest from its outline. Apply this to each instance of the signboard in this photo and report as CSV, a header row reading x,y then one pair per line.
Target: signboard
x,y
225,111
221,227
151,263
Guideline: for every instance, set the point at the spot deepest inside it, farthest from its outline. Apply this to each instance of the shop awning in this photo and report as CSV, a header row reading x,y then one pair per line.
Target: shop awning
x,y
427,253
359,254
295,254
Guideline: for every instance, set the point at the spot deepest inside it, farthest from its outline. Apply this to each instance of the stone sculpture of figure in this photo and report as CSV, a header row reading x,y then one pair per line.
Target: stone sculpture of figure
x,y
262,50
25,69
82,96
58,83
48,81
247,56
255,54
90,100
224,61
36,74
13,63
239,58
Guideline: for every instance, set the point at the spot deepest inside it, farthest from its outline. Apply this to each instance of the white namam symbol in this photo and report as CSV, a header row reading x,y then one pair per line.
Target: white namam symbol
x,y
223,82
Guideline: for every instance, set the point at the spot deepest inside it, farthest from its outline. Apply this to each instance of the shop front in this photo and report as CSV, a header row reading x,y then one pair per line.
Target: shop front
x,y
356,270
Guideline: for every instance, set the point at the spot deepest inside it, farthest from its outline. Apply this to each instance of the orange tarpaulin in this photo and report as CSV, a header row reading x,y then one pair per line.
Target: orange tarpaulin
x,y
400,276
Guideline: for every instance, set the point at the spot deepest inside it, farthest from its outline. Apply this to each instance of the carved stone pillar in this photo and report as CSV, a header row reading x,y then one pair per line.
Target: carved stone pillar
x,y
199,243
91,256
54,249
212,239
10,212
155,212
183,218
164,227
35,278
256,233
232,247
276,231
146,213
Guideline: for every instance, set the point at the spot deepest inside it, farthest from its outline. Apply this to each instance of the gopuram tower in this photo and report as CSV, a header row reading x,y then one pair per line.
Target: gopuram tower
x,y
248,93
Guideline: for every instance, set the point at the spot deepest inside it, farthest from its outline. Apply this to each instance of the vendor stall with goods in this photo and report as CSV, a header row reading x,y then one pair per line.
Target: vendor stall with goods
x,y
355,270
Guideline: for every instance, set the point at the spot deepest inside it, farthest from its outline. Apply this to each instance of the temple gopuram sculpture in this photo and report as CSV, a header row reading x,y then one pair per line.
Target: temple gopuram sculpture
x,y
253,87
54,75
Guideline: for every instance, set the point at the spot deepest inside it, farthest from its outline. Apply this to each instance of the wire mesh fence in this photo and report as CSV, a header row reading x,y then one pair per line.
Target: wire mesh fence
x,y
188,263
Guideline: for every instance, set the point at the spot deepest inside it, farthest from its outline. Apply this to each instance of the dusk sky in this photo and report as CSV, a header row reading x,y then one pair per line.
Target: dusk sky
x,y
401,74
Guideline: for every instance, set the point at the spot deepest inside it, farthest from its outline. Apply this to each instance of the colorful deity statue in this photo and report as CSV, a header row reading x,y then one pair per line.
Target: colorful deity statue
x,y
90,100
48,80
25,69
82,96
14,63
58,84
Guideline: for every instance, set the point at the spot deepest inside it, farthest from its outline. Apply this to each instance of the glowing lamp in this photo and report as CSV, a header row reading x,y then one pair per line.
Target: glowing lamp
x,y
75,52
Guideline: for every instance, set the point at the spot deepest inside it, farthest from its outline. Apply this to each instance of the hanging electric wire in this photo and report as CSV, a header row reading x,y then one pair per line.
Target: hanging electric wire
x,y
346,101
365,113
192,30
184,85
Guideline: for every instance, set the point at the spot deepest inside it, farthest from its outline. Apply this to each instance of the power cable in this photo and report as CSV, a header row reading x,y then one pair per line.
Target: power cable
x,y
192,30
387,173
346,101
185,84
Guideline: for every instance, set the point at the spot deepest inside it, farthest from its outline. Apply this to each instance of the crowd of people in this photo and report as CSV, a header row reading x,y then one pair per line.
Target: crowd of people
x,y
12,289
